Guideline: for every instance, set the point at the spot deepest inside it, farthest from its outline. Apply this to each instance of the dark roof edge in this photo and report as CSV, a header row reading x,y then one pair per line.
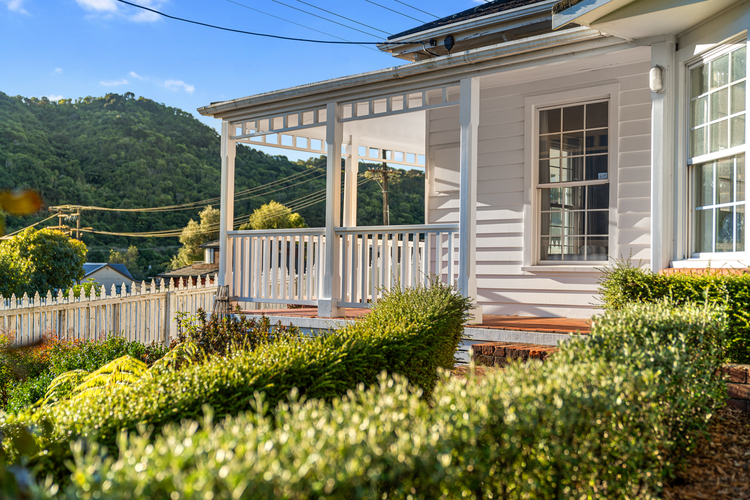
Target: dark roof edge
x,y
564,4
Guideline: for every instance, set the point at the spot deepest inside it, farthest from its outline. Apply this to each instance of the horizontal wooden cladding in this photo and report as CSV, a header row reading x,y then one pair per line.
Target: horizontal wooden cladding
x,y
549,311
635,128
537,297
635,143
570,281
634,174
635,221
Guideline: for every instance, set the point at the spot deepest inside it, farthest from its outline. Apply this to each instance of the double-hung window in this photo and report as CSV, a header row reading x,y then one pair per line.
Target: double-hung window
x,y
573,182
717,151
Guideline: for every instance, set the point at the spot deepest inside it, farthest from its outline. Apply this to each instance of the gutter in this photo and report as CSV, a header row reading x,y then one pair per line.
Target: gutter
x,y
469,57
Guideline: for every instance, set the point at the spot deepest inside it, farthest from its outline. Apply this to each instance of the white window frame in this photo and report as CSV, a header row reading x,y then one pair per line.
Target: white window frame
x,y
688,163
532,199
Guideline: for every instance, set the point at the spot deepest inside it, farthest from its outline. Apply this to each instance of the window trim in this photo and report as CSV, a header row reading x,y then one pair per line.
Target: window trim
x,y
532,200
687,163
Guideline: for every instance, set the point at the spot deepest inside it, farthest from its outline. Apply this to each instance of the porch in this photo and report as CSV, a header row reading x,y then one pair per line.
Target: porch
x,y
343,265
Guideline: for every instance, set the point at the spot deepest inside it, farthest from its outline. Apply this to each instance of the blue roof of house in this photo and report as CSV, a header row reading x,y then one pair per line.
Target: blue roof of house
x,y
91,267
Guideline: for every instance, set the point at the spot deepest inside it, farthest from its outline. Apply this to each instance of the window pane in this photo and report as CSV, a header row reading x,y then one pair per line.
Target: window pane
x,y
572,144
739,64
549,171
724,229
738,130
698,141
573,249
724,181
596,167
551,248
598,196
704,230
597,115
572,118
598,223
740,221
597,141
699,81
738,98
704,184
719,104
549,146
552,198
597,248
700,111
572,169
719,135
575,198
549,121
720,71
547,225
740,195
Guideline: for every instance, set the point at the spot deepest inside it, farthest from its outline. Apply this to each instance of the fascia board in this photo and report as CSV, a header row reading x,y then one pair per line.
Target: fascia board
x,y
480,22
586,12
396,73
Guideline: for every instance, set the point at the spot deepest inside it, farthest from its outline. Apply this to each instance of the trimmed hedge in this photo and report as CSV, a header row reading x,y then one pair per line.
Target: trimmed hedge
x,y
605,418
623,284
412,332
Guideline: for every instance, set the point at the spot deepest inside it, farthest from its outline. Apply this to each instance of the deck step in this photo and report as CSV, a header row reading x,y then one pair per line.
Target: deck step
x,y
501,353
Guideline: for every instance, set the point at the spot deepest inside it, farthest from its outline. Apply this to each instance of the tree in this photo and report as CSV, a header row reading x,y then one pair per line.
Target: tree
x,y
273,215
38,261
194,235
129,258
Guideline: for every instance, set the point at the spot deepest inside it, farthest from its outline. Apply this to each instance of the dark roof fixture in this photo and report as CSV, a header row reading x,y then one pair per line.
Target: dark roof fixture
x,y
449,42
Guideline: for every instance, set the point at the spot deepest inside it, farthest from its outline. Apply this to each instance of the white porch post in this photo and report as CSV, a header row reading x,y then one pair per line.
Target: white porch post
x,y
467,227
329,295
351,168
226,220
662,156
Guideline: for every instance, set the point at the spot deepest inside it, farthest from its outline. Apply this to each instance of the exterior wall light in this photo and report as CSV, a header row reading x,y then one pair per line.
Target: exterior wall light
x,y
656,79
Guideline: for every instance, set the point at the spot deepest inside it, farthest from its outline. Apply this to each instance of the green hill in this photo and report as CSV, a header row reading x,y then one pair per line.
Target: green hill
x,y
119,151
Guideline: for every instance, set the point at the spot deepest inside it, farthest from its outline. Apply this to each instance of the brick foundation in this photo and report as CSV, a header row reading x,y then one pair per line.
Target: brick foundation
x,y
500,353
738,386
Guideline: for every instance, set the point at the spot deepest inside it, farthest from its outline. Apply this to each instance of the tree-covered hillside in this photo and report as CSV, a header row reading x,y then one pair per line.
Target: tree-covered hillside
x,y
119,151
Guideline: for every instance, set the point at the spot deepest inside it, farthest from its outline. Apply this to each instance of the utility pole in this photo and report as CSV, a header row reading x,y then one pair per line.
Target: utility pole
x,y
384,172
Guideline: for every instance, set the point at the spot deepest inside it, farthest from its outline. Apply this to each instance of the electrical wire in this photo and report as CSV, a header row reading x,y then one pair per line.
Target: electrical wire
x,y
324,18
252,33
386,8
297,24
344,17
10,235
420,10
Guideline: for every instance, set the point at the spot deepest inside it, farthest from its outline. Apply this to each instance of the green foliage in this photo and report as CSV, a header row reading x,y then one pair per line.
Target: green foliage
x,y
273,215
40,260
411,332
86,287
130,259
623,284
196,234
595,421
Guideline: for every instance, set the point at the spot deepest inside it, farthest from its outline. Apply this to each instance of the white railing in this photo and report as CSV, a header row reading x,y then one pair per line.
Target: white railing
x,y
286,266
372,259
281,266
147,313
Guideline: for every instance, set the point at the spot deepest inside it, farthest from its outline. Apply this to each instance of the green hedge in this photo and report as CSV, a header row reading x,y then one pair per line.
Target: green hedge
x,y
411,332
605,418
624,283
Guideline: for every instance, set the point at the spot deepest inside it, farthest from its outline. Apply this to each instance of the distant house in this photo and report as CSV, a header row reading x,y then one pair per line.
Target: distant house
x,y
211,252
106,275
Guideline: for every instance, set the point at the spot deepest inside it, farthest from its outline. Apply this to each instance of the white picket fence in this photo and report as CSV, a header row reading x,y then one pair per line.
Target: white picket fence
x,y
147,313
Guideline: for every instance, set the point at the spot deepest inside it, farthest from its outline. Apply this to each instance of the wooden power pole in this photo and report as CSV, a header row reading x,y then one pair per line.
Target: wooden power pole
x,y
384,172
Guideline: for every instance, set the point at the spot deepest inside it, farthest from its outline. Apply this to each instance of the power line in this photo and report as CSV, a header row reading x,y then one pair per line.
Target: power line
x,y
267,35
420,10
386,8
344,17
296,24
10,235
324,18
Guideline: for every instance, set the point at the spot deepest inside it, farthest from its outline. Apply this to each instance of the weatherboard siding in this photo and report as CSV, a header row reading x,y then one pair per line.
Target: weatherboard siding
x,y
503,287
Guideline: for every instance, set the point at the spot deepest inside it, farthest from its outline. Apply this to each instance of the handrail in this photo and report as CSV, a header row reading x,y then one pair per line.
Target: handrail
x,y
278,232
411,228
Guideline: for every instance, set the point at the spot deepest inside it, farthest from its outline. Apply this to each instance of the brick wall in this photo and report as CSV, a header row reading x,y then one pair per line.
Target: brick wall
x,y
738,386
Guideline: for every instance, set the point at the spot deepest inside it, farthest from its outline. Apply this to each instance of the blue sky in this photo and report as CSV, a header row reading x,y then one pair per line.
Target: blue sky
x,y
75,48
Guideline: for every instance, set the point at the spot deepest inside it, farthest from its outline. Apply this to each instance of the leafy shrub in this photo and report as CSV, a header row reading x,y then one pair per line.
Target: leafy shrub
x,y
607,417
623,284
411,332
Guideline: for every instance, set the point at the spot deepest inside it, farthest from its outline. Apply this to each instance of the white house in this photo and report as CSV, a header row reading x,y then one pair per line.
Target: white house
x,y
106,275
555,137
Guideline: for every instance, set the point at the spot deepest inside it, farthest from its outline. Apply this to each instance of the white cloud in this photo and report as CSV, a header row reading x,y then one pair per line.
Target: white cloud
x,y
179,84
135,75
58,71
108,7
54,97
98,5
16,6
114,83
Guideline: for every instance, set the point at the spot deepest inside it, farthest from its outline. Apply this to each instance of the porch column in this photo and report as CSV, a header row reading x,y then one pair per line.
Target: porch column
x,y
662,156
226,218
467,226
329,294
351,169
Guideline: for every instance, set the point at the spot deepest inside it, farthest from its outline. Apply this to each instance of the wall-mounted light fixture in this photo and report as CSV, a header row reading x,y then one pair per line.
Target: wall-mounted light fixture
x,y
656,79
449,42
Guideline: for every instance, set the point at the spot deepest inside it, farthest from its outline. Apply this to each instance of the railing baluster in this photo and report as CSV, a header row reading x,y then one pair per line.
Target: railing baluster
x,y
450,259
274,262
354,260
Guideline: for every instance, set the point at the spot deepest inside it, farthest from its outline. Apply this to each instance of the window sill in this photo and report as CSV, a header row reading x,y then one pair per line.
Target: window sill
x,y
594,268
703,263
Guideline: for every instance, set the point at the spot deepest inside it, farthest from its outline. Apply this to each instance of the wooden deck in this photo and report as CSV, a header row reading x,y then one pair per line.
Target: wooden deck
x,y
491,321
